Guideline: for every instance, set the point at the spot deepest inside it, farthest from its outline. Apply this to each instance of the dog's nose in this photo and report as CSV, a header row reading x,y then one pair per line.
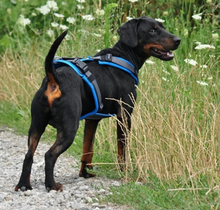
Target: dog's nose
x,y
177,40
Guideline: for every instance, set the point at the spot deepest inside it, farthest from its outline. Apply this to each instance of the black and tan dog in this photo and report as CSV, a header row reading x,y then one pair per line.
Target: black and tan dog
x,y
64,97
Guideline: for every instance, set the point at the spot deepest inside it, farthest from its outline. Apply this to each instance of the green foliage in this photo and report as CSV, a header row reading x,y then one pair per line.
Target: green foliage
x,y
162,195
14,117
174,142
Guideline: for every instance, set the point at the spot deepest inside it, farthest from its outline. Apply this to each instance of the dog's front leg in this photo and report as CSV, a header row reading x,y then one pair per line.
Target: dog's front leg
x,y
88,141
122,127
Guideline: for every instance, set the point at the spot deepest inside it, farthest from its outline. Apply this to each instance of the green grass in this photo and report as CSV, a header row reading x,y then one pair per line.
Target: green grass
x,y
14,117
173,147
159,195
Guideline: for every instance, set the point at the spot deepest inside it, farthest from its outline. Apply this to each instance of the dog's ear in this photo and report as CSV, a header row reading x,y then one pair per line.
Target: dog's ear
x,y
128,33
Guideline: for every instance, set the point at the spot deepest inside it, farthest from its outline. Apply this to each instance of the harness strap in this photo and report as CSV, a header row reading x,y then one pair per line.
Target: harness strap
x,y
82,66
79,65
120,61
59,62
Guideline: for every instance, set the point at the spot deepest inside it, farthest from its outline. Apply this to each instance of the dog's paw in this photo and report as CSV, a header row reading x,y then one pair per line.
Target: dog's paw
x,y
84,173
57,187
23,188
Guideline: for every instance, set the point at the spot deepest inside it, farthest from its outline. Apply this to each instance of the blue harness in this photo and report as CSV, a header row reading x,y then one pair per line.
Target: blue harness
x,y
80,67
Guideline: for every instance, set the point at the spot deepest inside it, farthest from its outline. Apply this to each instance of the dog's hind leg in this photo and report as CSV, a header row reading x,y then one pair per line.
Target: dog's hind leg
x,y
68,125
88,141
38,124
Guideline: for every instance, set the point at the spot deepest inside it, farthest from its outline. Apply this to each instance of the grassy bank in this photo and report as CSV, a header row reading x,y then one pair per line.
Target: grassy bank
x,y
173,148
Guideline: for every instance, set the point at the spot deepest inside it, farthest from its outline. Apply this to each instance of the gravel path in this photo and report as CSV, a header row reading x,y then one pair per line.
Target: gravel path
x,y
78,193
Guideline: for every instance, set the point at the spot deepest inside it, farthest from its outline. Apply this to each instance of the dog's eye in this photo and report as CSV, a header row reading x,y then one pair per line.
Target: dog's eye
x,y
152,31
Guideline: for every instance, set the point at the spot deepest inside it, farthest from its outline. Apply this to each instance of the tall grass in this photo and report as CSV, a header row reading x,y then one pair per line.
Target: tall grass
x,y
175,130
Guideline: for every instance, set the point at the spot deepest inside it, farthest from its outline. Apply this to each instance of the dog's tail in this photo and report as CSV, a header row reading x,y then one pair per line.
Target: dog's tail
x,y
49,68
53,90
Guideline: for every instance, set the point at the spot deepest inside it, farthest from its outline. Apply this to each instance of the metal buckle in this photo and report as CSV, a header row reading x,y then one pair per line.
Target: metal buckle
x,y
108,57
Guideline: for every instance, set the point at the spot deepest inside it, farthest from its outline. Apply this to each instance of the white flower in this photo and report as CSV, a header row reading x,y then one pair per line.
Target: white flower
x,y
149,62
128,18
165,79
44,10
175,68
100,12
50,33
83,31
71,20
133,1
215,36
68,37
197,16
165,13
159,20
191,62
204,46
166,72
80,7
63,27
64,3
58,15
202,83
88,17
9,10
81,1
204,66
54,24
52,5
24,21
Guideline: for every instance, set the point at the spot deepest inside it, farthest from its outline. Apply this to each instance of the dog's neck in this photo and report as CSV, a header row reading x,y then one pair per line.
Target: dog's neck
x,y
131,54
122,50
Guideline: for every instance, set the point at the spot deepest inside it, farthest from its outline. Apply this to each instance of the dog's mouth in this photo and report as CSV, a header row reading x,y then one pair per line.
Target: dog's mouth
x,y
163,55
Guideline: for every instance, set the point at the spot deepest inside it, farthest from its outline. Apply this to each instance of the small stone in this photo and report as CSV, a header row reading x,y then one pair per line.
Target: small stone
x,y
102,191
52,192
88,199
28,193
41,188
138,183
76,205
78,193
116,183
102,206
95,204
83,188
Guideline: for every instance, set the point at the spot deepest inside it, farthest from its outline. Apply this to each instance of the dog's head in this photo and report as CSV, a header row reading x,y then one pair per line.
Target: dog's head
x,y
149,37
